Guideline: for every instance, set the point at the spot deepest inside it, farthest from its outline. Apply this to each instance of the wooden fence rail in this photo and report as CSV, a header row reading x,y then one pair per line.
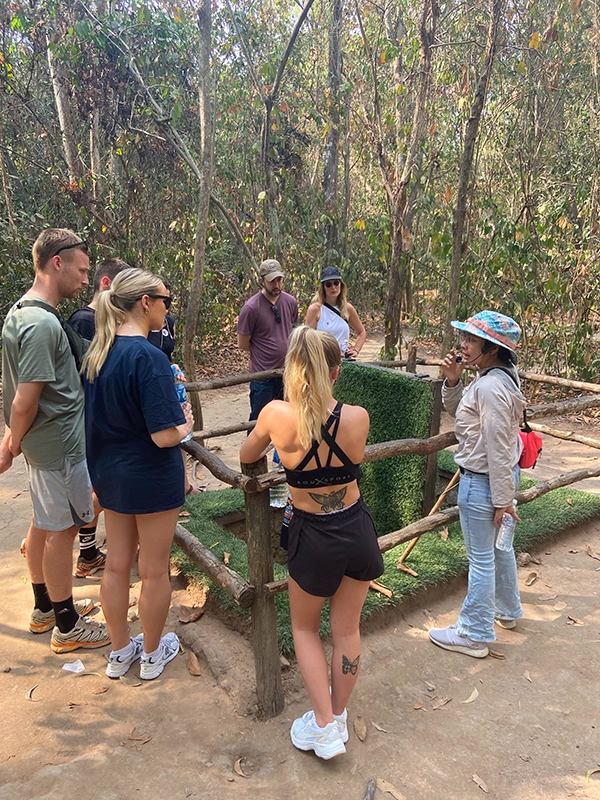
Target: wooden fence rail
x,y
255,481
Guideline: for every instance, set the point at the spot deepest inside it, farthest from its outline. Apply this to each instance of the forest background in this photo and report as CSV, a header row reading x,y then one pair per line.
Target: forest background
x,y
444,154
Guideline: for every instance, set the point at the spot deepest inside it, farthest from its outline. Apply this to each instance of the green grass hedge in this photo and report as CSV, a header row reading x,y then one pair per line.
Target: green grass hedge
x,y
400,408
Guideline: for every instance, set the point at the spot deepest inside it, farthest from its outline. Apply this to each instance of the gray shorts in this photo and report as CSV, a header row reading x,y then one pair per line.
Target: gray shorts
x,y
61,498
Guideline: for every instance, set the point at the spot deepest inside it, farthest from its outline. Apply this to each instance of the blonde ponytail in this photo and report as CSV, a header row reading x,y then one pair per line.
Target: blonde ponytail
x,y
307,379
128,287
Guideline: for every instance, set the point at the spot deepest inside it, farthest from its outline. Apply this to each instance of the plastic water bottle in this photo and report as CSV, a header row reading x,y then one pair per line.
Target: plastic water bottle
x,y
181,393
278,495
506,532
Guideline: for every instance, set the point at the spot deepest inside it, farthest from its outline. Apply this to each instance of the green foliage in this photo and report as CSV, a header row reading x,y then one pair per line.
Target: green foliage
x,y
399,408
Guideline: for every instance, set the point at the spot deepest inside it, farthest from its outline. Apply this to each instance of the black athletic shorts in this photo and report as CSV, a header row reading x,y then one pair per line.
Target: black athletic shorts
x,y
325,547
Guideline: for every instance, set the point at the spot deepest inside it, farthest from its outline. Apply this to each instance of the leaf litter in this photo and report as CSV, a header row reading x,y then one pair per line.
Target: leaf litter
x,y
480,782
360,728
237,768
386,786
473,696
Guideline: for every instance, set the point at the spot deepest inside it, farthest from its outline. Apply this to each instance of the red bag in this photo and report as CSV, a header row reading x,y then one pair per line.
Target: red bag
x,y
532,445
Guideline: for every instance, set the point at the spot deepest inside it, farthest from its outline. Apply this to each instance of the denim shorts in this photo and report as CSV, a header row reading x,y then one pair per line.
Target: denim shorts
x,y
61,498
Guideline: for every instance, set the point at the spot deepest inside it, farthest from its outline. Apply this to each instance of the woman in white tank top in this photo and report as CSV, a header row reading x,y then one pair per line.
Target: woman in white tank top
x,y
331,312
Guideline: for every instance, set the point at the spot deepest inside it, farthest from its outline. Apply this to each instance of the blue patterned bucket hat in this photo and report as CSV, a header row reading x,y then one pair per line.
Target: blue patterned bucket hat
x,y
493,326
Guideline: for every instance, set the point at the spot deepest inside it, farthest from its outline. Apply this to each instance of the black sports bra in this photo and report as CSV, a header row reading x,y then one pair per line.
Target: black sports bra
x,y
326,475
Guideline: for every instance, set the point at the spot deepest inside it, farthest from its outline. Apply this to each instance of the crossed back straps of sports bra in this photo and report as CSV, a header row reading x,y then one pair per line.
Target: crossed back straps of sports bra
x,y
326,475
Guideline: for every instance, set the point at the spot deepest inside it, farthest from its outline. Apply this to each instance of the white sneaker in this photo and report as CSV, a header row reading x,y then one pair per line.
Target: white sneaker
x,y
507,624
449,639
168,648
119,665
341,721
307,735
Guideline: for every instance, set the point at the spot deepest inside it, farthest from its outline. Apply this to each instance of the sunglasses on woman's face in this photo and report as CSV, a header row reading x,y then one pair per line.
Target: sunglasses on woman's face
x,y
276,313
329,284
164,297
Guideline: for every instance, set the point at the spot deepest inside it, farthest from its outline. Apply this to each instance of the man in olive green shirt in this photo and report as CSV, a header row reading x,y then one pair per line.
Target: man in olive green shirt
x,y
43,410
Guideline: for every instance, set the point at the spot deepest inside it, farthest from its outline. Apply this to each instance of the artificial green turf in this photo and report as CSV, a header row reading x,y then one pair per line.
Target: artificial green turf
x,y
434,559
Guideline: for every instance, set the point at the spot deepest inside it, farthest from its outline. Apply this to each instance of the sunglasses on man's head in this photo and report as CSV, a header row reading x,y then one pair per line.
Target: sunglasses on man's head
x,y
276,313
329,284
83,245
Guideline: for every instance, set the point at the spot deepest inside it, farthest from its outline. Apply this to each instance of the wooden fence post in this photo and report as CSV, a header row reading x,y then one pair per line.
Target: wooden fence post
x,y
269,688
431,466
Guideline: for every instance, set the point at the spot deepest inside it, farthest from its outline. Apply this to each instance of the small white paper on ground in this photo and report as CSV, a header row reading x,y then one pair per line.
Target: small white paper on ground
x,y
74,666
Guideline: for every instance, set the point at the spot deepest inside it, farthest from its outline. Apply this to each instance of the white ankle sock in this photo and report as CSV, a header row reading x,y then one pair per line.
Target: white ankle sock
x,y
153,654
125,651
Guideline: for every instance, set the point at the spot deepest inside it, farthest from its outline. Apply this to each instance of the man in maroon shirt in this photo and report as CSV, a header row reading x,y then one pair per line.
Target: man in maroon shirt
x,y
264,327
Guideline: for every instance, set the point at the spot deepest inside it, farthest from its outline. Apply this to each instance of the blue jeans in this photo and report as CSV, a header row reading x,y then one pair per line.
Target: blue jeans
x,y
262,392
493,584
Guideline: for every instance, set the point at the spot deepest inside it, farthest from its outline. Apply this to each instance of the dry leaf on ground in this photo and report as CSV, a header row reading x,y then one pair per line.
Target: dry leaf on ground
x,y
574,621
589,774
226,557
444,534
473,696
495,654
100,690
531,578
379,728
184,514
129,680
190,613
480,782
419,706
237,768
441,702
591,553
527,676
30,693
142,739
360,728
524,757
386,786
569,501
193,665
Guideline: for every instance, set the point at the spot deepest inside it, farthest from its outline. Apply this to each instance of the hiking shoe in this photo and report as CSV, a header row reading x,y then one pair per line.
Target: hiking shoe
x,y
119,665
85,634
509,624
341,721
168,648
450,639
42,621
85,568
307,735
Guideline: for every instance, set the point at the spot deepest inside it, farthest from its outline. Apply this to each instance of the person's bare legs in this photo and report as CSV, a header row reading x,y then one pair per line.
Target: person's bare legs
x,y
122,541
34,553
57,561
345,607
306,617
156,533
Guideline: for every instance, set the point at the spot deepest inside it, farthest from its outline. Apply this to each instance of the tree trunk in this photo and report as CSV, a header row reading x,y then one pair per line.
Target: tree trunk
x,y
95,160
460,212
204,191
402,216
332,141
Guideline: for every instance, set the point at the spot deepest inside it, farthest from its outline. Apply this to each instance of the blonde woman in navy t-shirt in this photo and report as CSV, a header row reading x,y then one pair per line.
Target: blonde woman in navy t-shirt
x,y
134,423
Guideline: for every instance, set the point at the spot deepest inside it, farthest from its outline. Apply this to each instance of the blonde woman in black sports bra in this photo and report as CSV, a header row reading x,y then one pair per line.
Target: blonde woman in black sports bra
x,y
333,550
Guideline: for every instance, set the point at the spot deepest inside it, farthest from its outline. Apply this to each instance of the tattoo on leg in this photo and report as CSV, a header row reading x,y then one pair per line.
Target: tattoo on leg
x,y
349,666
330,502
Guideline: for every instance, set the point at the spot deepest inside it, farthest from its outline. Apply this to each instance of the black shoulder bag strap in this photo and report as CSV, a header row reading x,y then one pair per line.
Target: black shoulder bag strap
x,y
79,346
333,308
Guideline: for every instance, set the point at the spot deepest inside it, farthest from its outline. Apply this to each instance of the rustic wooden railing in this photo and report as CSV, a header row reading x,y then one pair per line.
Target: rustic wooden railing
x,y
255,480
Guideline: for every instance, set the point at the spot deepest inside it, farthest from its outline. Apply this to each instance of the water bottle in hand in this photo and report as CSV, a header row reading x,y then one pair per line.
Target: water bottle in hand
x,y
181,392
506,532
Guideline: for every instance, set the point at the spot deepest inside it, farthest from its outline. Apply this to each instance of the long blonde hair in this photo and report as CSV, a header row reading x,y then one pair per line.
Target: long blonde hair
x,y
310,358
341,300
128,287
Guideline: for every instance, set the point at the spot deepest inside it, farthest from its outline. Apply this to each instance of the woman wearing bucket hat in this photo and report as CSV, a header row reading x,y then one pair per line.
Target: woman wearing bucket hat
x,y
330,311
487,412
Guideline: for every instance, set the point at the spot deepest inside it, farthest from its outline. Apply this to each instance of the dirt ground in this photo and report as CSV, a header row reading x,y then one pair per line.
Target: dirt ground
x,y
440,726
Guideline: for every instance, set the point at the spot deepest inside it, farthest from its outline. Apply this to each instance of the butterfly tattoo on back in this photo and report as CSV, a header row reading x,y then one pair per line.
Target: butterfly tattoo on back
x,y
330,502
